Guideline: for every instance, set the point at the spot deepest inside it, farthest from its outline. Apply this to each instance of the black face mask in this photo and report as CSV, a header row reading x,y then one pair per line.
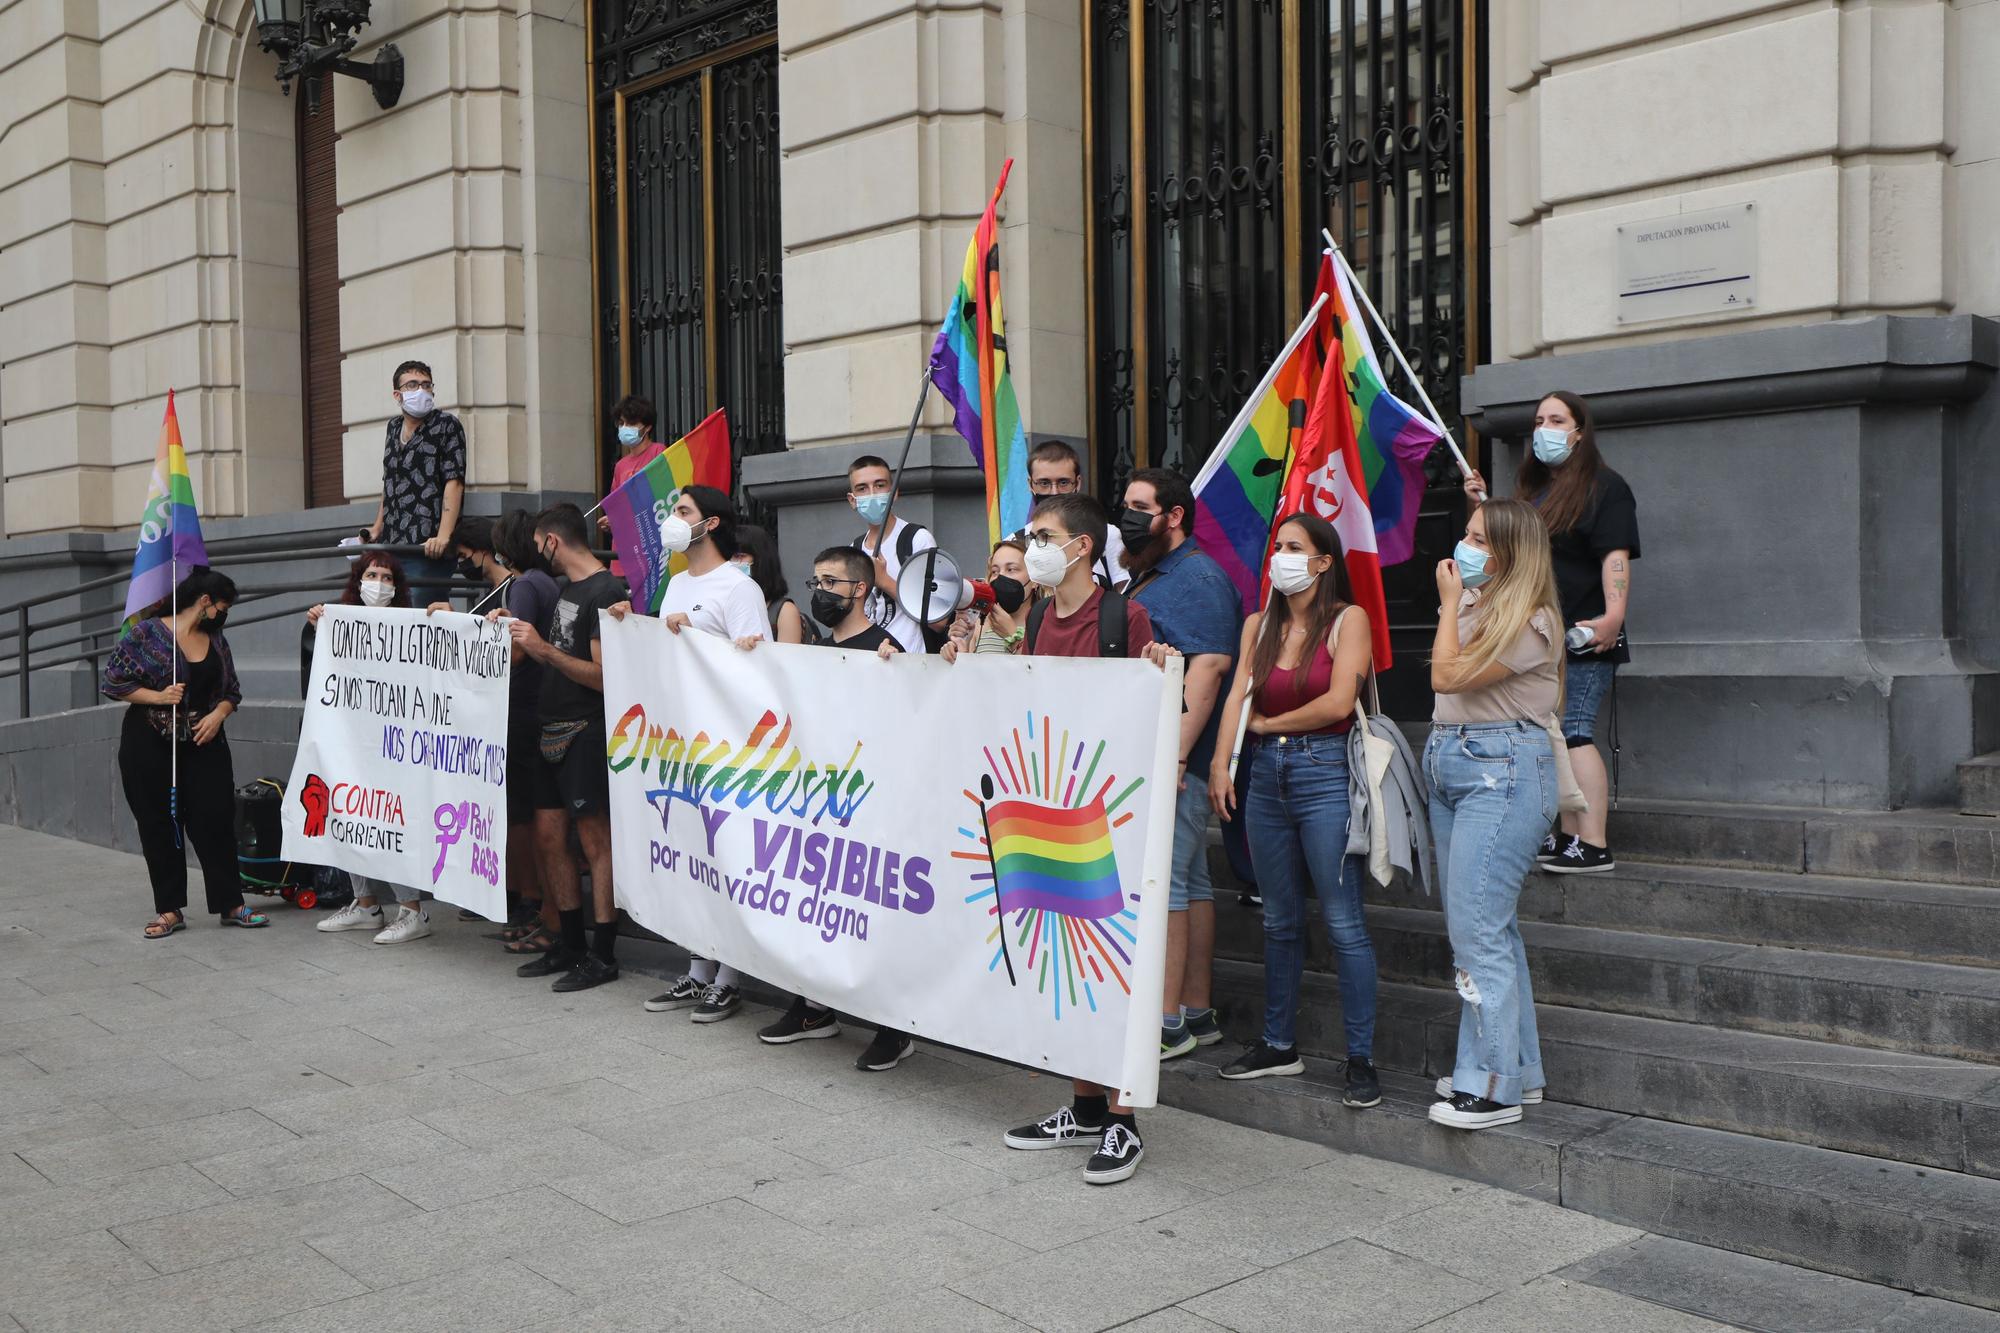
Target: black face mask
x,y
1008,594
829,609
1136,527
468,570
212,624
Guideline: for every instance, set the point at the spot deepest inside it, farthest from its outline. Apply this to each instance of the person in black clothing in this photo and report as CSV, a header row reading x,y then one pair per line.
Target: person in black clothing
x,y
177,674
423,479
842,579
571,781
1593,523
757,556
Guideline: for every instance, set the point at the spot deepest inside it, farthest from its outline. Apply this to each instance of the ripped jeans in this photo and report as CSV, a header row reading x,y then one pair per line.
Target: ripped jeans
x,y
1493,796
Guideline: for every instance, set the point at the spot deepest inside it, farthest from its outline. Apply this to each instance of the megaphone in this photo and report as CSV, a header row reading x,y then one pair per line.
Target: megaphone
x,y
931,590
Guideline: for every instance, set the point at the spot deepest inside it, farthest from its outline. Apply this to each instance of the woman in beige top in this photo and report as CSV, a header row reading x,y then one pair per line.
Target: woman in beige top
x,y
1496,666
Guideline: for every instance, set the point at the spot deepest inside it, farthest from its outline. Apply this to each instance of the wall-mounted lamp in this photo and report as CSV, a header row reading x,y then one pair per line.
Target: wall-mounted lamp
x,y
311,36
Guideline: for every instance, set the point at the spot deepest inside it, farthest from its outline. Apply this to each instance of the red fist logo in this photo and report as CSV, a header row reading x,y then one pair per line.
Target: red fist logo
x,y
316,800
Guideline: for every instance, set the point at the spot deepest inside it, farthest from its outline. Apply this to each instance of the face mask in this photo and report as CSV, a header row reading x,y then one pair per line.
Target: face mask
x,y
418,402
1047,564
742,567
548,553
1291,572
830,609
630,435
1471,564
1008,593
466,570
1136,527
1552,445
212,624
377,594
872,508
675,534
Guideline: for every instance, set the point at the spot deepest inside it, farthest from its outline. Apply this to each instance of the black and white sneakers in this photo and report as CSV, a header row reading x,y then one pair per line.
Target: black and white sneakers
x,y
1550,849
1577,857
801,1022
684,993
1262,1061
1465,1111
889,1049
1117,1143
717,1003
1529,1096
1061,1130
1117,1155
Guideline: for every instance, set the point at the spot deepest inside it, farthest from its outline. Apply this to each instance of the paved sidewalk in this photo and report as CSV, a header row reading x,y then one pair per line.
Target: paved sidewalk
x,y
287,1131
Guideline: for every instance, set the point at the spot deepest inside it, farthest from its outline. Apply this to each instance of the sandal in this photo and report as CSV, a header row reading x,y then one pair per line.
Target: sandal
x,y
246,918
519,930
160,926
540,940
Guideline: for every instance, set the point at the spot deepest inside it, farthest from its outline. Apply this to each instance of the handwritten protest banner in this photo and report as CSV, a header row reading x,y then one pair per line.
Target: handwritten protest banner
x,y
975,852
401,772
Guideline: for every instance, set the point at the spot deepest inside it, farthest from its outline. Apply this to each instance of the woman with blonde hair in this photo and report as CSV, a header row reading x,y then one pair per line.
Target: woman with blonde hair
x,y
1496,666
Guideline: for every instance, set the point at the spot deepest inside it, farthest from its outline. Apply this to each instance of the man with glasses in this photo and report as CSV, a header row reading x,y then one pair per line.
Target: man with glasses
x,y
1054,469
423,482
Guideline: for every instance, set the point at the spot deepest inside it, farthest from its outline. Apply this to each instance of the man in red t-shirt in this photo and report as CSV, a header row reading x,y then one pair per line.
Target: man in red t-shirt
x,y
1065,536
635,418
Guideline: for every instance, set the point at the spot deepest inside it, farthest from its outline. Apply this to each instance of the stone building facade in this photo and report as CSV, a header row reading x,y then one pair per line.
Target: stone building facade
x,y
1815,617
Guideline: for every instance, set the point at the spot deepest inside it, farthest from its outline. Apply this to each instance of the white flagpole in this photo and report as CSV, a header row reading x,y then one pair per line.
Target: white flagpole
x,y
1361,295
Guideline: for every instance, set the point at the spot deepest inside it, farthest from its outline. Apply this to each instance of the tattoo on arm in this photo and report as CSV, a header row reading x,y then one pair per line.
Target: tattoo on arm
x,y
1618,566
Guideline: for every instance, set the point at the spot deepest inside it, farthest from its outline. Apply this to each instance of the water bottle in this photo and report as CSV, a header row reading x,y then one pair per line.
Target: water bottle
x,y
1579,637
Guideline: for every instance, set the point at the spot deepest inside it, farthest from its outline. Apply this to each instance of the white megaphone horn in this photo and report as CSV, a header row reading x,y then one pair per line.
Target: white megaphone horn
x,y
931,590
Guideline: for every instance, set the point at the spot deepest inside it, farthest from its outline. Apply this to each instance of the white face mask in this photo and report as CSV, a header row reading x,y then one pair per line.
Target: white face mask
x,y
1046,564
1290,572
377,594
675,534
418,402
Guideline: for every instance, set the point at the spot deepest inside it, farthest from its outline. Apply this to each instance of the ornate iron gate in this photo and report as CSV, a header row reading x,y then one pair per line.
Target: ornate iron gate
x,y
1221,136
685,210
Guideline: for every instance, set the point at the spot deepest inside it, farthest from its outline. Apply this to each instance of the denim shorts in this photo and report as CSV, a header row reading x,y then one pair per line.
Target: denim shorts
x,y
1190,882
1584,686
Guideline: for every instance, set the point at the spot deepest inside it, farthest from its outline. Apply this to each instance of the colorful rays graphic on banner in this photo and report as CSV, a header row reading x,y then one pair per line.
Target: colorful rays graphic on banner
x,y
1046,861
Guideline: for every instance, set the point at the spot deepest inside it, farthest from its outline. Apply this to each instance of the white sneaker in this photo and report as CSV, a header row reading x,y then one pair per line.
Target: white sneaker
x,y
1529,1096
354,917
408,925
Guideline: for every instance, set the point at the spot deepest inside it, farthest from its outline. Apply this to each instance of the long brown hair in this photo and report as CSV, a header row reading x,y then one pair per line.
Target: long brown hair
x,y
1571,487
1523,587
1330,594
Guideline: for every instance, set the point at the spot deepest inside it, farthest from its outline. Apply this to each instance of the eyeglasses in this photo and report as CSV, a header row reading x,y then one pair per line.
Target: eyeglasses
x,y
823,583
408,385
1053,485
1043,537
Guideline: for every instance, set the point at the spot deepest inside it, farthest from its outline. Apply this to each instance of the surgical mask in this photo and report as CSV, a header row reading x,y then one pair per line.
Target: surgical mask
x,y
1471,564
1046,564
675,534
418,402
742,567
1552,445
377,594
1008,594
1291,572
1136,527
872,508
830,609
630,435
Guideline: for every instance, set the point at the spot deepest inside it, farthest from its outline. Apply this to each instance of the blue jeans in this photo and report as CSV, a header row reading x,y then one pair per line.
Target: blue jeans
x,y
1493,796
430,580
1296,822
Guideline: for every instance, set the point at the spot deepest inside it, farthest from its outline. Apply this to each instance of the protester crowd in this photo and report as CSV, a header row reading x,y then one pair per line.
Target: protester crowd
x,y
1278,738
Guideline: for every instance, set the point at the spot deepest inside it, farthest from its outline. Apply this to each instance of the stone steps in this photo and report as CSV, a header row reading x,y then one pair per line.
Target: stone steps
x,y
1934,846
1919,1109
1979,785
1933,1232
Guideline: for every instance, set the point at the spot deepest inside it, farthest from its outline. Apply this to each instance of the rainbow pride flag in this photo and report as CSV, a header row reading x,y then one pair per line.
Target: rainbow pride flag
x,y
641,505
1393,438
969,367
1054,858
1236,492
170,545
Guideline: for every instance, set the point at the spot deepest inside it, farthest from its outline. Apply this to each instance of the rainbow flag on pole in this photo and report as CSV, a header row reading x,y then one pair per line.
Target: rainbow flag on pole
x,y
170,545
969,367
1054,858
641,505
1236,492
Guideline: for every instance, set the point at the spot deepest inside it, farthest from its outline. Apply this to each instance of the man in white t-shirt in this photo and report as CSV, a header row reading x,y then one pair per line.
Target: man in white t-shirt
x,y
714,595
870,486
1054,469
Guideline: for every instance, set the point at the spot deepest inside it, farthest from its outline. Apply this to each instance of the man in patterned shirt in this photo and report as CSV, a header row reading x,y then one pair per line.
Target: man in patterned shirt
x,y
423,482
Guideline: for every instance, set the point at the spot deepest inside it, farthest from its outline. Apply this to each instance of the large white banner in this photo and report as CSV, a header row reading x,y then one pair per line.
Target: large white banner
x,y
401,772
834,824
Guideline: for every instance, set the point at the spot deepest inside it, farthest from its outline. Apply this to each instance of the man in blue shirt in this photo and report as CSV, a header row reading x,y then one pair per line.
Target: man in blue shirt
x,y
1195,608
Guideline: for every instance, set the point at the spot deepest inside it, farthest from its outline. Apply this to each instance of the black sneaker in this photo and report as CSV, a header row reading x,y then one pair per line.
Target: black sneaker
x,y
1551,848
590,971
1175,1041
1465,1111
801,1022
684,992
1581,858
718,1003
553,963
1061,1130
1529,1096
1205,1029
1262,1061
1117,1156
888,1050
1363,1088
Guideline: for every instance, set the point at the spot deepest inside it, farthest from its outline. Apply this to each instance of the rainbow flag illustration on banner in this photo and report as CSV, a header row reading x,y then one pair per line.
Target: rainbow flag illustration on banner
x,y
1054,858
641,505
1236,492
969,367
170,543
1393,438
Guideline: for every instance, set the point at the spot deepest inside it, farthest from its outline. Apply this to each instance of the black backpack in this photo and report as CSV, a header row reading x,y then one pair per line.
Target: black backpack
x,y
1110,624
